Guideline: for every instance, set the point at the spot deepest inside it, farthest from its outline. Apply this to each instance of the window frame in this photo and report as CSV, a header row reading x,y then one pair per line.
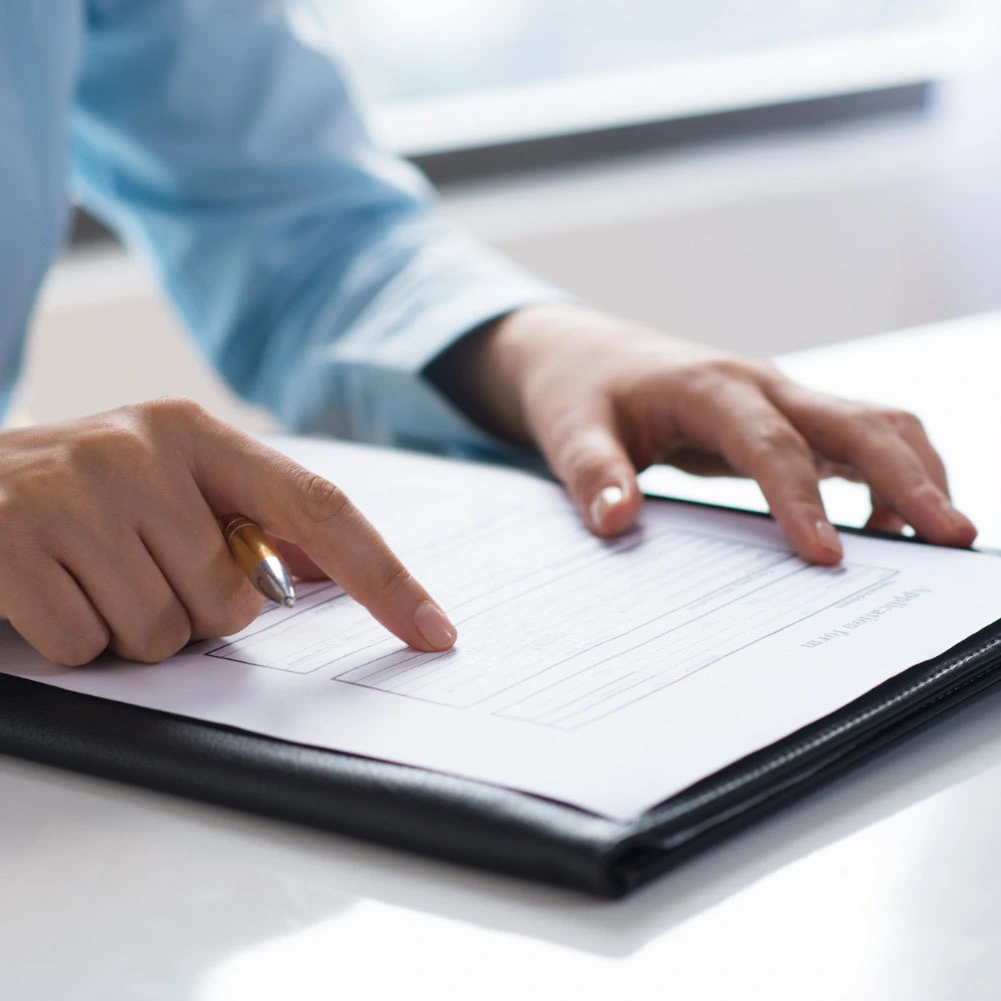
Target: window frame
x,y
792,88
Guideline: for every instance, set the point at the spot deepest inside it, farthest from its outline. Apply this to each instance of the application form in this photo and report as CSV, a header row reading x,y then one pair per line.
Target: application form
x,y
606,674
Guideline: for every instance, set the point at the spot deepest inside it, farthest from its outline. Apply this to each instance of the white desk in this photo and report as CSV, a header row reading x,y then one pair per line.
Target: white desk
x,y
884,886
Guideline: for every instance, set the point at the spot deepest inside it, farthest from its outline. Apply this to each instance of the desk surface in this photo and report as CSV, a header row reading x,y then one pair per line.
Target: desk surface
x,y
881,887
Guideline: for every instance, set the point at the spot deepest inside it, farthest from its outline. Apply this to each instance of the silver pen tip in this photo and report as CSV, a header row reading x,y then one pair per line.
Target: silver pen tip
x,y
272,579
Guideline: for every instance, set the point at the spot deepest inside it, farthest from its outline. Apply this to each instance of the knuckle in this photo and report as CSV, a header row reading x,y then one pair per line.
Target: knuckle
x,y
923,492
703,380
76,646
242,612
731,368
321,500
711,380
236,606
170,411
766,370
170,632
905,422
104,447
871,419
393,579
778,439
723,365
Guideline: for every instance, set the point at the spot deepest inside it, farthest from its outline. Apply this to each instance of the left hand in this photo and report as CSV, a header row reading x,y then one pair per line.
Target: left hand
x,y
603,399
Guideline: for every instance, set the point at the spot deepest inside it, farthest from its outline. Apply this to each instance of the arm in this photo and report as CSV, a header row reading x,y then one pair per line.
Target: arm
x,y
277,228
316,275
312,267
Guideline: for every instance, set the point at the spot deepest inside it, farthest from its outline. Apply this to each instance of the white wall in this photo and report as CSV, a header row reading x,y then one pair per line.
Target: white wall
x,y
760,246
756,246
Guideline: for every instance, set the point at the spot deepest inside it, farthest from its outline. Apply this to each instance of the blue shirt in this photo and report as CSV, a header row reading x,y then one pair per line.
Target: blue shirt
x,y
310,265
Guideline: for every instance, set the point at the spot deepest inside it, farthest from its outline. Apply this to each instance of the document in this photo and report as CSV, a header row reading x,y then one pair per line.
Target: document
x,y
605,674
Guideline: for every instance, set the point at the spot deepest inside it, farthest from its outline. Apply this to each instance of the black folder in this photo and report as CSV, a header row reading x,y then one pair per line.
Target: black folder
x,y
470,822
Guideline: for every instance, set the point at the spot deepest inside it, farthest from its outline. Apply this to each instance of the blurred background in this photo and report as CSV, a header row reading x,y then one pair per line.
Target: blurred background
x,y
763,175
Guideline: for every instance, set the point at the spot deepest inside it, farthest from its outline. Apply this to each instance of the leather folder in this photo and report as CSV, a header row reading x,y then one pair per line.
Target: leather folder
x,y
469,822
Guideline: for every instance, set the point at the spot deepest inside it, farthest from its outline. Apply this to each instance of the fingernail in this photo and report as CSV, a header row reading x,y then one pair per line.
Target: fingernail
x,y
433,625
827,537
610,497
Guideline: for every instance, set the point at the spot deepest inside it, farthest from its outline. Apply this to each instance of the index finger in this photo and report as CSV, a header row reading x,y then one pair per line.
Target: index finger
x,y
238,473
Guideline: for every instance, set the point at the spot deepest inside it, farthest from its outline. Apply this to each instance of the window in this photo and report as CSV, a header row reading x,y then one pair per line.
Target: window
x,y
449,74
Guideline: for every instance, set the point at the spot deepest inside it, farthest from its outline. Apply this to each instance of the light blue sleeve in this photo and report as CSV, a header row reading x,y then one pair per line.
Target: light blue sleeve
x,y
311,266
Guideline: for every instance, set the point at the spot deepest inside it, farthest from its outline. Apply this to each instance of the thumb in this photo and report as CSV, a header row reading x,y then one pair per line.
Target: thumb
x,y
596,469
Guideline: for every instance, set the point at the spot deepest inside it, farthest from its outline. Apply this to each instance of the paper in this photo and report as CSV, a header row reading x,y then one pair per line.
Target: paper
x,y
609,675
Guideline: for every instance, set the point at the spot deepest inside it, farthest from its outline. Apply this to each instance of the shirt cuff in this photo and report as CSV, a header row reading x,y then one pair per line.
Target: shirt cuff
x,y
371,387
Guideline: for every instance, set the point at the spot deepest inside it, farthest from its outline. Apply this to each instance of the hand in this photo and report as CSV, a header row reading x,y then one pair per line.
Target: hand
x,y
110,537
603,399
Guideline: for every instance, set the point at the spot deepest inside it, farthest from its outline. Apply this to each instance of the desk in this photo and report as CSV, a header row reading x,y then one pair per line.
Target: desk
x,y
882,887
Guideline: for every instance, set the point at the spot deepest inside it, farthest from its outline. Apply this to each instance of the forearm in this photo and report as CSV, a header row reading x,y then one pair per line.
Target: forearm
x,y
311,265
357,366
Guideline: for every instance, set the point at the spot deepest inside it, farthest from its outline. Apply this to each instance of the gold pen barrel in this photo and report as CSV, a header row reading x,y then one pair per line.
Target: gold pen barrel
x,y
257,558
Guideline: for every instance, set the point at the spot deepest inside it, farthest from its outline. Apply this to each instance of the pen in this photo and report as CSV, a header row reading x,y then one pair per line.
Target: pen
x,y
256,557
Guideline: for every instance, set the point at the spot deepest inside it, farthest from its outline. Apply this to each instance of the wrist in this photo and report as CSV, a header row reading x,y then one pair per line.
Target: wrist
x,y
514,354
494,373
485,373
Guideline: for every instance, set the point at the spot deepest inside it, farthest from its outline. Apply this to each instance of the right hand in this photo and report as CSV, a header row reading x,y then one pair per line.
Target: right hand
x,y
110,536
